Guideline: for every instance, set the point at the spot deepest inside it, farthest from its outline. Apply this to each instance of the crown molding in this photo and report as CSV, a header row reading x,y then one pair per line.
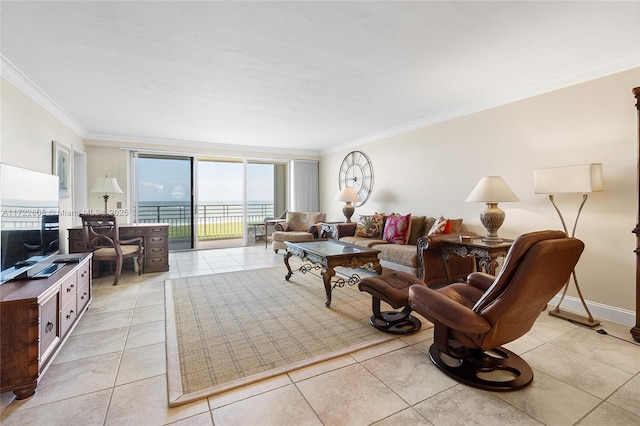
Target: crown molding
x,y
18,79
600,70
208,146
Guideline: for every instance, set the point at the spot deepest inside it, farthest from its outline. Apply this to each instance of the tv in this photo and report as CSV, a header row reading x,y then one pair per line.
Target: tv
x,y
29,226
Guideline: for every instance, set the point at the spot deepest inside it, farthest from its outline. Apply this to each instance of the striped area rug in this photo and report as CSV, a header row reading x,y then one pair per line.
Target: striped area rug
x,y
229,330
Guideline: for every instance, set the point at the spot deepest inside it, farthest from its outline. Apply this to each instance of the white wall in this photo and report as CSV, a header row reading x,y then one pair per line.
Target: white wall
x,y
432,170
26,136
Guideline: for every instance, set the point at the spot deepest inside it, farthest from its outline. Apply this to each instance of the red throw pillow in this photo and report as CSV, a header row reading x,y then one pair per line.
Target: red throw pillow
x,y
397,229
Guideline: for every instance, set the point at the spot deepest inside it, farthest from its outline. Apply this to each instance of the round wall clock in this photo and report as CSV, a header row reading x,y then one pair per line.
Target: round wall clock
x,y
356,171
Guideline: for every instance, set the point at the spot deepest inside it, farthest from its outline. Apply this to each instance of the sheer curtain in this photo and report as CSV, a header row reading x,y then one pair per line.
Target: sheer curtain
x,y
305,192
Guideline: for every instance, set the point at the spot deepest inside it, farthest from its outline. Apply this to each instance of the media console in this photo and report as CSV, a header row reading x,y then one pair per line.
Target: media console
x,y
36,318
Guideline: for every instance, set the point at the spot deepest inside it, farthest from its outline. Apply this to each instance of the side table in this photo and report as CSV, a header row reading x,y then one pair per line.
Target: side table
x,y
486,255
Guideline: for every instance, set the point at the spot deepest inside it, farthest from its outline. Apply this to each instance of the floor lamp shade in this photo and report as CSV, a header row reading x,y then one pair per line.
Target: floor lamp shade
x,y
348,195
569,179
492,190
106,186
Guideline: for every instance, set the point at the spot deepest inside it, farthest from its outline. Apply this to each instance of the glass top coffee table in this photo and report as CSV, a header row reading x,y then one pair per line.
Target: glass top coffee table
x,y
329,254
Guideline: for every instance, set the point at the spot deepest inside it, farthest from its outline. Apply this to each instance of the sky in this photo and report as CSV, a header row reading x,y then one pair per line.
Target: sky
x,y
169,180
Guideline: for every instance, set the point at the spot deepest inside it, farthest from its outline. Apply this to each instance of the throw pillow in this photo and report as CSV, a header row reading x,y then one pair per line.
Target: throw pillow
x,y
370,226
440,226
397,229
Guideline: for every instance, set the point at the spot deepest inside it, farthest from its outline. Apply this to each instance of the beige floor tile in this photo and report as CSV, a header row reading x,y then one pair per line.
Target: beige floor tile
x,y
92,322
524,344
628,396
463,405
602,348
92,409
114,299
608,414
145,403
142,363
245,392
282,406
547,328
151,299
380,349
405,417
321,368
410,374
203,419
148,314
599,379
145,334
92,344
551,401
350,396
74,378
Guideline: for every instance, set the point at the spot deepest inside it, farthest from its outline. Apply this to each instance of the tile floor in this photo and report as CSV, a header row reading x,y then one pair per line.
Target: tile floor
x,y
112,372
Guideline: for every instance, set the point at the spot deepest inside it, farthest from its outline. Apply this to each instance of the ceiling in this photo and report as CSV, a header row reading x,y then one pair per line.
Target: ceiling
x,y
304,76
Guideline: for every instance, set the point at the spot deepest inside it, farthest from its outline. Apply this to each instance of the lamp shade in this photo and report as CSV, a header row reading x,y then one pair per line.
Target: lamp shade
x,y
491,189
569,179
348,194
106,185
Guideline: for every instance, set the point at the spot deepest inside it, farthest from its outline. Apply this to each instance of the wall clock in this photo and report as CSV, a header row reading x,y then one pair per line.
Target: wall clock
x,y
356,171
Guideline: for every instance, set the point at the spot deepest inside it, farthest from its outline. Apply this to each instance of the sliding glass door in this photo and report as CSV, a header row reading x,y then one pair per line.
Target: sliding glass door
x,y
164,193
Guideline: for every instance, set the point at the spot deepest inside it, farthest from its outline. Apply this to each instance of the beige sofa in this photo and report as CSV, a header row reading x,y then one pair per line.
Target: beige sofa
x,y
421,256
299,226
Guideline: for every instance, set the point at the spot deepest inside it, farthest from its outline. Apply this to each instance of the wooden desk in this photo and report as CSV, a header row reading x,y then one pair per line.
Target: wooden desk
x,y
486,255
155,240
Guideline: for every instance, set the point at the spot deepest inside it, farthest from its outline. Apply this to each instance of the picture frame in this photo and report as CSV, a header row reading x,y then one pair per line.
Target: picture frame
x,y
62,168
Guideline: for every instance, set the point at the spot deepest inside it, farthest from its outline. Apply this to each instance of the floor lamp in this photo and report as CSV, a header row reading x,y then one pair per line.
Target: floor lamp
x,y
581,179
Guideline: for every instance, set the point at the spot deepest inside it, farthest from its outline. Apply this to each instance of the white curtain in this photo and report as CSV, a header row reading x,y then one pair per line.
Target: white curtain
x,y
305,181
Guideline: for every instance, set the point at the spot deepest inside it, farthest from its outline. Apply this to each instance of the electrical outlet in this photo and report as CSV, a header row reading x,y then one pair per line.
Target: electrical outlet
x,y
119,205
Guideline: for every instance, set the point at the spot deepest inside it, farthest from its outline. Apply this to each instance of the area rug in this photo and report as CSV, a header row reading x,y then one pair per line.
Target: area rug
x,y
229,330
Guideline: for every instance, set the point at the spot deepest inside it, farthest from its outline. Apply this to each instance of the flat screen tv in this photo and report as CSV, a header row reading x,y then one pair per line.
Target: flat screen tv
x,y
29,221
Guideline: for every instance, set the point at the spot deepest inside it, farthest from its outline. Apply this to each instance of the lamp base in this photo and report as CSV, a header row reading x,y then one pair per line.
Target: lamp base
x,y
573,317
348,210
492,240
492,218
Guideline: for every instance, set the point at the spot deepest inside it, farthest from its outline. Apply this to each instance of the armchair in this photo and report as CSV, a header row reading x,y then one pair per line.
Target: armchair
x,y
102,238
299,226
472,320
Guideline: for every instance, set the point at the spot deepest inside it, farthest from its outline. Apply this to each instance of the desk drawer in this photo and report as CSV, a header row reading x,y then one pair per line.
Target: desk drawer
x,y
157,240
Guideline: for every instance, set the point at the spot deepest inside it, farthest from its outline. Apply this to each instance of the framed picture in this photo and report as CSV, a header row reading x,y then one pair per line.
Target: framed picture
x,y
62,168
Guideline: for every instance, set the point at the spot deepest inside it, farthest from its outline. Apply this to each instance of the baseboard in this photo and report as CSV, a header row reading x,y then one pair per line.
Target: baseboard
x,y
598,310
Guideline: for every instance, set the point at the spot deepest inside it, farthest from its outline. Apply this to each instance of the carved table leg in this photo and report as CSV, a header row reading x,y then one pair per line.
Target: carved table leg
x,y
286,263
327,274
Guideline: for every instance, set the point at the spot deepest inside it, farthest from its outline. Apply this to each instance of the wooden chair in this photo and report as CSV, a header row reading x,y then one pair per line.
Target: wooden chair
x,y
101,237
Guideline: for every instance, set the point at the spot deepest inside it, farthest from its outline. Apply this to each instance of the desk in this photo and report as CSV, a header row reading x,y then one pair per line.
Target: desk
x,y
155,240
486,255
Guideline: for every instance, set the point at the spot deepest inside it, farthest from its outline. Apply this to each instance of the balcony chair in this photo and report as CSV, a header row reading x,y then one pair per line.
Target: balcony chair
x,y
473,319
101,237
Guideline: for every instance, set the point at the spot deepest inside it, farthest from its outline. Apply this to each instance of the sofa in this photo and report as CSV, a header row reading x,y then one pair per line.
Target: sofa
x,y
418,251
299,226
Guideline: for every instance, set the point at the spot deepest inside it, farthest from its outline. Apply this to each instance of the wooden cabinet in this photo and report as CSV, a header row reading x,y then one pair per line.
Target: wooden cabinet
x,y
36,317
635,331
155,240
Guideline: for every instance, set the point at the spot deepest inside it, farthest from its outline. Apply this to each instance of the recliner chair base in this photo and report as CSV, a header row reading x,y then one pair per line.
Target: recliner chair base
x,y
395,322
476,363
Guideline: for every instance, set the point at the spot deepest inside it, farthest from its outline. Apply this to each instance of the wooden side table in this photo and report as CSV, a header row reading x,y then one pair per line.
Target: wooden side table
x,y
486,255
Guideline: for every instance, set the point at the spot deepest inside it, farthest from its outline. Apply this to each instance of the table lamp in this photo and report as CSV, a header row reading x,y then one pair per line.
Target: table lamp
x,y
106,186
492,190
349,196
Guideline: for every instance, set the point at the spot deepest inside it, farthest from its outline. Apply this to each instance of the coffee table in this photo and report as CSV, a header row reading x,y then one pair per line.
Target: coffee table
x,y
329,254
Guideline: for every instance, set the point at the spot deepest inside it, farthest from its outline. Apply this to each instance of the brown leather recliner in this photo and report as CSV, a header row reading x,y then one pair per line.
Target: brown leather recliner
x,y
473,320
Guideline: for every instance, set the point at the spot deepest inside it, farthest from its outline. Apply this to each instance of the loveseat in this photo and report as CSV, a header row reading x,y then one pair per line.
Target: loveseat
x,y
299,226
419,252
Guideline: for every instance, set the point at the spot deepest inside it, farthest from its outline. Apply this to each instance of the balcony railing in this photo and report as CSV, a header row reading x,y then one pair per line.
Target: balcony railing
x,y
212,220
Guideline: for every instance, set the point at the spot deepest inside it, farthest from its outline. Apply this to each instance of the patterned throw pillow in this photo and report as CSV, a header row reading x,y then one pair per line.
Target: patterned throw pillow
x,y
441,226
370,226
397,229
